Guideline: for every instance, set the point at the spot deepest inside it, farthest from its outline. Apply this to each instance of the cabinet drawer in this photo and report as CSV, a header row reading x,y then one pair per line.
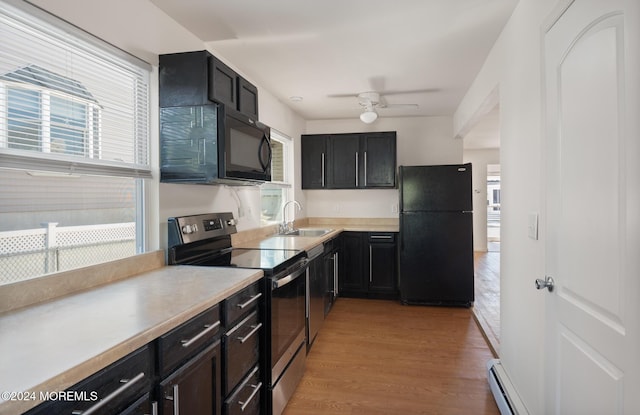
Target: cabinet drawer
x,y
242,303
241,350
247,397
109,391
184,341
382,237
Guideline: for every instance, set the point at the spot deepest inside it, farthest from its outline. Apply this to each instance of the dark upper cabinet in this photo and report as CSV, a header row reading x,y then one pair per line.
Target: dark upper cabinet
x,y
184,79
247,98
314,155
349,161
343,161
379,152
223,85
197,78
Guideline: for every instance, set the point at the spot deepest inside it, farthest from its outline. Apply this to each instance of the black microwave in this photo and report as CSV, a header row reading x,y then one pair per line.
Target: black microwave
x,y
213,144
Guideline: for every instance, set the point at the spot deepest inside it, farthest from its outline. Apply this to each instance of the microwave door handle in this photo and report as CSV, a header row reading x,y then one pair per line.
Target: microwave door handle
x,y
264,165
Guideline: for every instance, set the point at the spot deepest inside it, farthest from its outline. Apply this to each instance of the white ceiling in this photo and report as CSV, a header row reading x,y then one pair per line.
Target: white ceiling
x,y
317,48
314,49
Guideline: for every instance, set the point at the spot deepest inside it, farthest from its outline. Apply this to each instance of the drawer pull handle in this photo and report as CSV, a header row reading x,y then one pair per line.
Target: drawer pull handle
x,y
249,301
251,333
381,236
256,389
127,383
208,328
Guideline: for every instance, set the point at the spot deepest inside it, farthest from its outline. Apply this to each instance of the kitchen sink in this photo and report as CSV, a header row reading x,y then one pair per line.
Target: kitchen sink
x,y
307,232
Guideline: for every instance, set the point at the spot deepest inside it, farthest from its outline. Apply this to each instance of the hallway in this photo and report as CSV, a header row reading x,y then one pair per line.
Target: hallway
x,y
486,307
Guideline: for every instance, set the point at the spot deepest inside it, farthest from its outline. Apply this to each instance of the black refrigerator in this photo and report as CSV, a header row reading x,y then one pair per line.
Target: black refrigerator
x,y
436,235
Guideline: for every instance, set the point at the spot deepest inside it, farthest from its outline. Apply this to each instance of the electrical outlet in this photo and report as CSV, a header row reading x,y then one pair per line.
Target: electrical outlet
x,y
394,208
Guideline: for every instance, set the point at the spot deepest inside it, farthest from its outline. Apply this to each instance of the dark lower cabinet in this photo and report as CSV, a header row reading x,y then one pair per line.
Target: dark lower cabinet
x,y
189,366
209,365
352,267
120,388
143,406
369,264
194,388
383,263
316,289
331,271
246,397
243,342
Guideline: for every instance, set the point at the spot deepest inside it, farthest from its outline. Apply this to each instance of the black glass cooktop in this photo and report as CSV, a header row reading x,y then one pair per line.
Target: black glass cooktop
x,y
266,259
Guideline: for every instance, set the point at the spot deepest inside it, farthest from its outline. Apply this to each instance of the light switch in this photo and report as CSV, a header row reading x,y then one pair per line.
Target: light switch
x,y
532,227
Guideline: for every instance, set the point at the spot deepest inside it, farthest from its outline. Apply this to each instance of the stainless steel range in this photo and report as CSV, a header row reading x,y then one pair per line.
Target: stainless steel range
x,y
205,240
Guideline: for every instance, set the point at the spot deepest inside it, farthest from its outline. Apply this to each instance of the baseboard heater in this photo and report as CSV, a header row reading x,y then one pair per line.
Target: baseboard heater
x,y
503,391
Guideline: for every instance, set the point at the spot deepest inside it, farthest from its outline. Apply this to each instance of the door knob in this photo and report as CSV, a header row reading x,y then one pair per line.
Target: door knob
x,y
547,283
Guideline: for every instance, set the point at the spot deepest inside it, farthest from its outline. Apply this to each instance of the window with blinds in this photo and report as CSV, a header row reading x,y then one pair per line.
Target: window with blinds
x,y
74,146
274,194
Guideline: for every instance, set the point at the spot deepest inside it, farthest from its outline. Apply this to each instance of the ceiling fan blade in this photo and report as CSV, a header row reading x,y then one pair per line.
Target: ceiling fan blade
x,y
382,93
410,91
343,95
415,106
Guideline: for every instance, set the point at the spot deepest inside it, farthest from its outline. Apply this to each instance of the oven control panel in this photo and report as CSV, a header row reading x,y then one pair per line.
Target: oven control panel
x,y
186,229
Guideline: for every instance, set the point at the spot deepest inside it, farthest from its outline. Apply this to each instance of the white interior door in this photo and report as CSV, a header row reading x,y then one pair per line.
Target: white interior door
x,y
592,227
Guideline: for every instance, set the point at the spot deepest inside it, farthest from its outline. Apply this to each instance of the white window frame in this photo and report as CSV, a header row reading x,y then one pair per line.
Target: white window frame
x,y
285,186
32,24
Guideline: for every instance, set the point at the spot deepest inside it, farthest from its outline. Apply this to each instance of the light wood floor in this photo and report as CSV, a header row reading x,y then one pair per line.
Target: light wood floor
x,y
486,306
375,357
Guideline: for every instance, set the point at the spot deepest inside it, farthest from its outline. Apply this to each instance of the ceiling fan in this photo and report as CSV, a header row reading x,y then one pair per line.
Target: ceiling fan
x,y
370,101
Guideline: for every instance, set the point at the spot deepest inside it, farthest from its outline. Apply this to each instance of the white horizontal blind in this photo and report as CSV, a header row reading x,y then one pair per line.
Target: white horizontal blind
x,y
66,105
74,146
274,194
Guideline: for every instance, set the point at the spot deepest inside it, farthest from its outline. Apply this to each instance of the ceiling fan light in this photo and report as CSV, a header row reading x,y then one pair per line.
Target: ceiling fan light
x,y
368,116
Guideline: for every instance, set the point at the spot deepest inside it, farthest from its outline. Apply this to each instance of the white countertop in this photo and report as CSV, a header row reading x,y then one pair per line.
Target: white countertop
x,y
305,243
51,346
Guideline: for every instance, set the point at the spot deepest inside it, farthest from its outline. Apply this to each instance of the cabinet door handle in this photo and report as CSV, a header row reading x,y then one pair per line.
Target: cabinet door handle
x,y
249,301
356,169
365,169
127,383
336,270
175,398
322,171
207,329
256,389
251,333
370,264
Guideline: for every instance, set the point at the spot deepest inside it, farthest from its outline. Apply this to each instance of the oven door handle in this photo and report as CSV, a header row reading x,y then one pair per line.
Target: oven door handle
x,y
280,282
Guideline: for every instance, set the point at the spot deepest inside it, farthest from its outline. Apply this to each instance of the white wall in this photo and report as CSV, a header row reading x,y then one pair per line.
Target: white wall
x,y
479,160
143,30
420,140
514,65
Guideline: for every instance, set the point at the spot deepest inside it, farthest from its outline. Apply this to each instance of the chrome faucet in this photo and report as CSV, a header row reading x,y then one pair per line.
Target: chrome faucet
x,y
286,227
